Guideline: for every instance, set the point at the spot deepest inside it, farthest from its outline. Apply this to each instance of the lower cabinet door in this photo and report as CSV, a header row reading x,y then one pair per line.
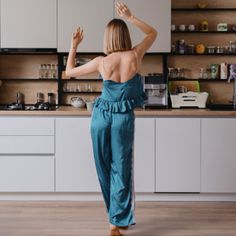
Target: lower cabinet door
x,y
177,155
218,172
75,167
144,155
22,144
26,173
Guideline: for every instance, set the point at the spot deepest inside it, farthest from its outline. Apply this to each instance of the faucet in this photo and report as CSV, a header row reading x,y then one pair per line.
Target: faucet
x,y
233,77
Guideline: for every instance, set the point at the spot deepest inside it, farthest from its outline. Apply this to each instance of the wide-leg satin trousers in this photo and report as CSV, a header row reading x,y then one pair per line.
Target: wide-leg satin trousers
x,y
112,138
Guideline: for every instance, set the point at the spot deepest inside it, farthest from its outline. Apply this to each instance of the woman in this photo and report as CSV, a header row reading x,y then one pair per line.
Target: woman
x,y
112,123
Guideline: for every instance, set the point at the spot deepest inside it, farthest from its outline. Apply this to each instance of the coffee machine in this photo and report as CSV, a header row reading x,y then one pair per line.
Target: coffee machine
x,y
155,87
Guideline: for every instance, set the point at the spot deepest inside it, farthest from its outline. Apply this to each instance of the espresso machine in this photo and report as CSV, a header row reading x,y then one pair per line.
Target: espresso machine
x,y
155,87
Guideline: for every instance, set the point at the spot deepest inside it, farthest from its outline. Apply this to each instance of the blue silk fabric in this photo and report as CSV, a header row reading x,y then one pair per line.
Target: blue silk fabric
x,y
112,132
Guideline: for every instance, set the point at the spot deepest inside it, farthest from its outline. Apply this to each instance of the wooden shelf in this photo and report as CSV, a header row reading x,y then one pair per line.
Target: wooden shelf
x,y
87,92
204,54
77,80
202,9
28,79
203,32
200,80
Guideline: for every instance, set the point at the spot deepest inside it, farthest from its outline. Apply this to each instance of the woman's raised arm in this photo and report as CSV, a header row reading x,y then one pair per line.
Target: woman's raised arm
x,y
91,66
151,34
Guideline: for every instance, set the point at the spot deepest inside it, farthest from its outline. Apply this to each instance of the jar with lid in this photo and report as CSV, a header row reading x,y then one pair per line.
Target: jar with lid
x,y
173,48
214,71
203,73
219,50
231,47
181,46
51,99
191,48
211,49
204,25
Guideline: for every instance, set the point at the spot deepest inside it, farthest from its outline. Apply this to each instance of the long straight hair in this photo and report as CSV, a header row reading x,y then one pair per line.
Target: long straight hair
x,y
116,37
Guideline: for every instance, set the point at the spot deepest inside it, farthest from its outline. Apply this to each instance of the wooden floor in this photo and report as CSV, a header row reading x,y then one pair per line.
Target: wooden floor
x,y
70,218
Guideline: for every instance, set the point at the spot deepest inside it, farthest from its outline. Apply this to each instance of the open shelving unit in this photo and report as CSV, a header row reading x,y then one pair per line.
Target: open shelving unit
x,y
203,32
21,74
186,12
29,79
201,9
199,79
203,54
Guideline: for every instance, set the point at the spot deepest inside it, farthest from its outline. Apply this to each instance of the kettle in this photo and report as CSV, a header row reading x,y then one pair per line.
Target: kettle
x,y
77,102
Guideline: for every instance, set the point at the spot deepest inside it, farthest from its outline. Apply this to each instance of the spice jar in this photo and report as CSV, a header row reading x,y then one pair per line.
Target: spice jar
x,y
210,49
219,50
214,71
204,25
173,48
181,46
191,48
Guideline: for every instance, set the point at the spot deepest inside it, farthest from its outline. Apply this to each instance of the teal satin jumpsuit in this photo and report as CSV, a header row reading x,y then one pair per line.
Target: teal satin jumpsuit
x,y
112,133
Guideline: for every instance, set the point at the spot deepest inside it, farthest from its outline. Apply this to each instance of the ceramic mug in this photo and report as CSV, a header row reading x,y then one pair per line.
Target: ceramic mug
x,y
182,27
191,27
89,105
173,27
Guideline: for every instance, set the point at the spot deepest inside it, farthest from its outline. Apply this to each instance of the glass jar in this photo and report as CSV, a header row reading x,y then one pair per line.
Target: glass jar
x,y
191,48
181,46
203,73
210,49
231,47
173,48
219,50
214,71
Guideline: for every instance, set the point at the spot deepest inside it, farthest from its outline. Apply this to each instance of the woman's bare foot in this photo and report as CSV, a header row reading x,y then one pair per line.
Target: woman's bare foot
x,y
114,230
123,227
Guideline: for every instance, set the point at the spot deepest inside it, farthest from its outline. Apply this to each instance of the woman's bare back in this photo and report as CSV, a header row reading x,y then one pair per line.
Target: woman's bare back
x,y
119,66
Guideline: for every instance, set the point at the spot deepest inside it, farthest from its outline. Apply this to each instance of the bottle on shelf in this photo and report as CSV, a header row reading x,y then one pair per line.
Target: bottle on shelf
x,y
42,71
54,71
223,70
49,71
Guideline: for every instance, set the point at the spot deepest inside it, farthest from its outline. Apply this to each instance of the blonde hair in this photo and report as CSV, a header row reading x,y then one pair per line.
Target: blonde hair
x,y
116,37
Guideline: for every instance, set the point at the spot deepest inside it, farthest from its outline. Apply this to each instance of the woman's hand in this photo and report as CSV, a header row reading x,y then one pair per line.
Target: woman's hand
x,y
123,11
77,37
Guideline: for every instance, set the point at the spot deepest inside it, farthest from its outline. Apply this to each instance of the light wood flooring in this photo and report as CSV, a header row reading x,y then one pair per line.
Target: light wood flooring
x,y
71,218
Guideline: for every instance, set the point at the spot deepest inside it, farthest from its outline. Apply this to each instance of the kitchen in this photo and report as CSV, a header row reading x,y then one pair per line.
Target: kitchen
x,y
185,164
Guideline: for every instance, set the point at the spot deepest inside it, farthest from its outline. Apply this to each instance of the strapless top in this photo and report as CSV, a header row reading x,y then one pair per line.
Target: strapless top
x,y
121,96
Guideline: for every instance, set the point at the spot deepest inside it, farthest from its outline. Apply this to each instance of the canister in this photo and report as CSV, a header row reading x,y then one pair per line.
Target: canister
x,y
181,46
223,70
191,48
214,71
219,50
210,49
204,25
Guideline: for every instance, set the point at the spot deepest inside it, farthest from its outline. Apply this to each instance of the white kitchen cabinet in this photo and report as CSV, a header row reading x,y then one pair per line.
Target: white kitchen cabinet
x,y
218,172
26,173
90,15
156,13
26,144
27,135
144,155
26,126
177,155
28,23
75,167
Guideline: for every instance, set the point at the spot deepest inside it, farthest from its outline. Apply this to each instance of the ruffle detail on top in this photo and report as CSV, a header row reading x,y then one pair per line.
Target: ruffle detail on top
x,y
120,106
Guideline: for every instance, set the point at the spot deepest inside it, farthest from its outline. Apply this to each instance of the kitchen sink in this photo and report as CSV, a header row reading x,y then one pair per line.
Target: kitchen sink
x,y
221,107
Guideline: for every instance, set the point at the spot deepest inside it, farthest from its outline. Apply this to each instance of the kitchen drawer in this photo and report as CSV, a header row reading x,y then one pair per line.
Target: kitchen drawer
x,y
26,126
26,173
26,144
